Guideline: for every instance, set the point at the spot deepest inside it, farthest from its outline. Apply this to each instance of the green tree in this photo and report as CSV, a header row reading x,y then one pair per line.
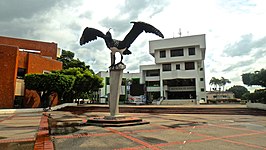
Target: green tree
x,y
214,82
223,82
86,82
45,84
219,83
67,58
256,78
238,90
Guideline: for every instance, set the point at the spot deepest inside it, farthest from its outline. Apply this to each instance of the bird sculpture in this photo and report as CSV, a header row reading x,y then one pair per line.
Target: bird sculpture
x,y
90,34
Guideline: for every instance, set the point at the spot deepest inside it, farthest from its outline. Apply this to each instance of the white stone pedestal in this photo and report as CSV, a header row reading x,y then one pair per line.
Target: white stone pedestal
x,y
116,73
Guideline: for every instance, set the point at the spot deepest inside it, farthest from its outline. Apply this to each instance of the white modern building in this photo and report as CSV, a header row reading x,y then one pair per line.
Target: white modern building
x,y
178,74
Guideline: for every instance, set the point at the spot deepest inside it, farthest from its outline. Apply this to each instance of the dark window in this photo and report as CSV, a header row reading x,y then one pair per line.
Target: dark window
x,y
166,67
151,73
177,52
180,82
191,51
177,67
107,80
202,89
135,81
189,66
201,79
137,89
152,83
162,54
21,73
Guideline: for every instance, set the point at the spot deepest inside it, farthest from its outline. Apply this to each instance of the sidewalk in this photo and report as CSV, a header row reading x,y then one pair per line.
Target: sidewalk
x,y
18,131
165,131
29,131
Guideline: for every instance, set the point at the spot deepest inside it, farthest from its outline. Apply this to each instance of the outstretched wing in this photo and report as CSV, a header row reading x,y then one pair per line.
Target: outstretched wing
x,y
90,34
137,29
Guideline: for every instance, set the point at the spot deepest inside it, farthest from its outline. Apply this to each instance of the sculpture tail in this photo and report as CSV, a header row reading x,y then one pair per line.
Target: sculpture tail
x,y
127,52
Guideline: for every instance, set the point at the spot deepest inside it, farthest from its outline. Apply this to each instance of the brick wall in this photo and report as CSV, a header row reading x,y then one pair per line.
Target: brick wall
x,y
23,60
8,73
11,59
37,63
47,49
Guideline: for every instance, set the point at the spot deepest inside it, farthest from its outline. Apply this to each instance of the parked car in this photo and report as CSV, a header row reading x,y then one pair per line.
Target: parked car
x,y
137,99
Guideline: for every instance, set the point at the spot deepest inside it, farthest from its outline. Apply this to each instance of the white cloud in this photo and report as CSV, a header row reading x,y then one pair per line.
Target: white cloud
x,y
225,23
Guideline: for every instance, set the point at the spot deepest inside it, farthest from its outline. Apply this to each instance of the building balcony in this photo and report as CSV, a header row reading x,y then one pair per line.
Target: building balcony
x,y
153,89
180,88
179,74
154,78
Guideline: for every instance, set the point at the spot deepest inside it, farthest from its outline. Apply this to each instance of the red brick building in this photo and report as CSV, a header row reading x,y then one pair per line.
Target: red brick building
x,y
19,57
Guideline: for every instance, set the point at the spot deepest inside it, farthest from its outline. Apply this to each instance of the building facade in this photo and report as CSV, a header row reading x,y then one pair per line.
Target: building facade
x,y
178,75
220,95
19,57
127,80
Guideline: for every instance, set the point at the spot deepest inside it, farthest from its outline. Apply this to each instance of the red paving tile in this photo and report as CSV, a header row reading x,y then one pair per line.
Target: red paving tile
x,y
80,135
43,139
245,144
133,139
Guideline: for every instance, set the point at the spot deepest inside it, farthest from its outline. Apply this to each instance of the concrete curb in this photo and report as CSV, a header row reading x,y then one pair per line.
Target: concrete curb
x,y
11,111
256,106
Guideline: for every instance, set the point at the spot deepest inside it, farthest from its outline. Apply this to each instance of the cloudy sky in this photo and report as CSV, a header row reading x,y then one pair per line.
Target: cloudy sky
x,y
235,29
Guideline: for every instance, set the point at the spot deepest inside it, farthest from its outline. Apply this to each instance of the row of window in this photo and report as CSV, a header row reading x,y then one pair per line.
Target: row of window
x,y
177,52
124,81
175,82
188,66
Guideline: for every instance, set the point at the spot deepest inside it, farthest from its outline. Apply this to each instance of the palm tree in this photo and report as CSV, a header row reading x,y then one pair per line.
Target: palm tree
x,y
223,82
214,81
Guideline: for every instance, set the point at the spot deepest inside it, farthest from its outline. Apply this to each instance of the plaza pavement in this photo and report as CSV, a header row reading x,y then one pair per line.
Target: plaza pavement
x,y
166,131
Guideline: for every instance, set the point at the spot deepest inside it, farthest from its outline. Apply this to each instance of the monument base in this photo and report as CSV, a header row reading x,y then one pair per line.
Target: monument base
x,y
115,121
116,73
116,117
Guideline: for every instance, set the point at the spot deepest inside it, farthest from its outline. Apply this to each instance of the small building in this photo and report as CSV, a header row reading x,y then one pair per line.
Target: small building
x,y
220,97
178,75
19,57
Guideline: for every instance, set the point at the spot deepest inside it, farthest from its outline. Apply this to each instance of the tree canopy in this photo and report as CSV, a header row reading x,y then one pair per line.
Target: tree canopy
x,y
256,78
86,82
45,84
75,81
49,82
67,58
238,90
72,83
219,82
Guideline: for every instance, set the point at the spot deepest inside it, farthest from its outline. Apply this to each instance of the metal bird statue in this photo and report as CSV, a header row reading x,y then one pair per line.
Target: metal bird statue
x,y
90,34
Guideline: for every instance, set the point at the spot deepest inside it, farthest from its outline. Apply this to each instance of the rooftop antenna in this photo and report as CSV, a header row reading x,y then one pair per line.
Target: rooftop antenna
x,y
180,33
